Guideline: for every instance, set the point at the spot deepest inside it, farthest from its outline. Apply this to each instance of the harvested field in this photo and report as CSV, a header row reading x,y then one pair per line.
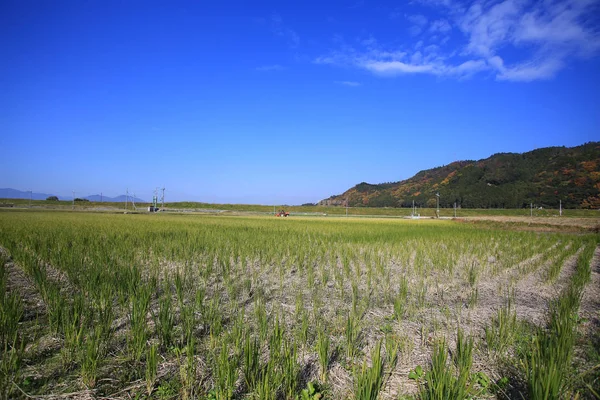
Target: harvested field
x,y
224,307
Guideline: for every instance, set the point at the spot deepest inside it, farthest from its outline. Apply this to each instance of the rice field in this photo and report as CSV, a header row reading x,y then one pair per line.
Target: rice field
x,y
242,307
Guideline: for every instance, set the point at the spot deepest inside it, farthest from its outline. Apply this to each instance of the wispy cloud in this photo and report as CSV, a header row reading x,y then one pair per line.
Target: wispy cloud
x,y
280,29
347,83
266,68
418,23
540,38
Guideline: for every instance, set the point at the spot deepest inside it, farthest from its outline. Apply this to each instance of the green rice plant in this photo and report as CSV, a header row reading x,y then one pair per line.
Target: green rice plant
x,y
213,317
299,305
473,274
164,320
322,348
73,329
463,360
179,287
290,369
55,307
251,362
399,307
11,359
11,312
422,295
275,342
403,289
439,381
236,335
260,314
352,336
473,297
304,329
355,297
500,334
267,387
151,368
446,381
187,368
225,371
369,380
188,323
90,357
138,333
104,311
545,366
392,347
310,275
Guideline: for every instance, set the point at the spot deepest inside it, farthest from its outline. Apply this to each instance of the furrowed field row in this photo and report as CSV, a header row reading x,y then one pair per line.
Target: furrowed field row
x,y
243,307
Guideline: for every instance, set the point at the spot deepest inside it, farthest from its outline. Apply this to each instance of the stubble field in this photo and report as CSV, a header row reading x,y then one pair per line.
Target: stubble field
x,y
231,307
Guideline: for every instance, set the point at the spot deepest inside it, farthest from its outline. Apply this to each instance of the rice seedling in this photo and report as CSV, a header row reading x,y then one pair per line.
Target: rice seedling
x,y
251,362
369,380
322,348
90,358
392,347
500,334
164,321
352,336
290,369
11,312
10,365
138,335
225,371
151,368
187,368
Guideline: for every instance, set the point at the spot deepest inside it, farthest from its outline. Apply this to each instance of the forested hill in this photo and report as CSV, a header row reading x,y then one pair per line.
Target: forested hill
x,y
504,180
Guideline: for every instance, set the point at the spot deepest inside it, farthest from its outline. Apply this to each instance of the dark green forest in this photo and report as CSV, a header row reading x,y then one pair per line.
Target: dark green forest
x,y
541,177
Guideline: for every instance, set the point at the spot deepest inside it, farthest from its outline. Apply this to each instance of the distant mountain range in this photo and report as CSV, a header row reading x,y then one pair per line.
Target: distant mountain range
x,y
8,193
542,177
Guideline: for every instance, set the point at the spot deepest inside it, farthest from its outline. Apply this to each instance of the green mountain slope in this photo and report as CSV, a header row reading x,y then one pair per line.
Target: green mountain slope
x,y
505,180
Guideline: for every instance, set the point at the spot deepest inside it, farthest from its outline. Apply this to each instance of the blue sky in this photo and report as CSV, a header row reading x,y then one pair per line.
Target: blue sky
x,y
284,102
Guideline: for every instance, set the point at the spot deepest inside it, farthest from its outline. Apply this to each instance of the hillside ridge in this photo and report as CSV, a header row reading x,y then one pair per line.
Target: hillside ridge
x,y
544,177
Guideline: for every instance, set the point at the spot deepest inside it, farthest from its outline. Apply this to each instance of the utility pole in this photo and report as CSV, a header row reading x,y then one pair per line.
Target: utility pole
x,y
437,212
560,208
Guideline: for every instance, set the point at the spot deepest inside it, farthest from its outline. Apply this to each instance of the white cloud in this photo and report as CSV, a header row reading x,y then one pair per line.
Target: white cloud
x,y
418,22
540,38
274,67
441,26
417,19
396,68
348,83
